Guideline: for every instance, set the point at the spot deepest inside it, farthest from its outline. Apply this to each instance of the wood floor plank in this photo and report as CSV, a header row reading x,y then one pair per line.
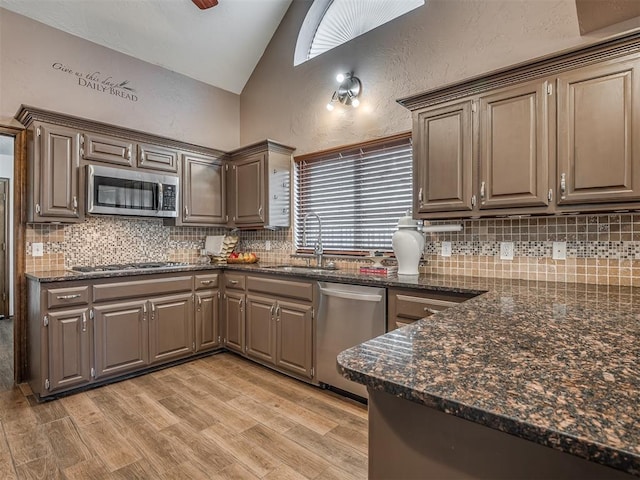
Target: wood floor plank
x,y
250,455
334,473
48,411
92,469
152,386
354,437
140,470
188,412
67,446
107,442
205,452
81,408
262,413
300,459
284,472
153,411
186,470
233,472
30,446
342,456
44,468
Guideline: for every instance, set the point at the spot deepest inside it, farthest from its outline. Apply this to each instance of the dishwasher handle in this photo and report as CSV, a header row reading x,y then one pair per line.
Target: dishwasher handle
x,y
364,297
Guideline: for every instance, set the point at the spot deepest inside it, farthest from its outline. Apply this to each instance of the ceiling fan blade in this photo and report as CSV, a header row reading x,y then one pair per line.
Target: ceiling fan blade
x,y
204,4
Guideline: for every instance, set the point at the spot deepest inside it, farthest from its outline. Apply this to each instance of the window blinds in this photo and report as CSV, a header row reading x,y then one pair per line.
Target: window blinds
x,y
359,194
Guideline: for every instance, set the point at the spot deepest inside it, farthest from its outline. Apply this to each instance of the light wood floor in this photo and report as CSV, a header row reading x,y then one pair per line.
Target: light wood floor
x,y
220,417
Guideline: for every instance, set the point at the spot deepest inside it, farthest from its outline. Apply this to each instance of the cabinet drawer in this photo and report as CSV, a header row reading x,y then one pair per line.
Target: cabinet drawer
x,y
282,288
155,157
140,288
207,280
63,297
417,307
236,282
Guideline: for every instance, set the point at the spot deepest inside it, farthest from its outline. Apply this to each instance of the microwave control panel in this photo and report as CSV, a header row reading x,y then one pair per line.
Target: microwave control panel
x,y
169,197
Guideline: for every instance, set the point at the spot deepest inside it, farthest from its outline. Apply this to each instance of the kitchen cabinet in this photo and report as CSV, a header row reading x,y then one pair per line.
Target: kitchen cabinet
x,y
121,337
54,162
171,334
203,190
207,320
557,135
156,157
502,135
233,311
405,306
106,149
258,186
599,128
280,324
69,348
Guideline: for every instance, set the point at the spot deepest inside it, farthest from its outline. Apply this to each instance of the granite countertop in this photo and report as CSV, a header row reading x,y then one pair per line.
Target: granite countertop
x,y
553,363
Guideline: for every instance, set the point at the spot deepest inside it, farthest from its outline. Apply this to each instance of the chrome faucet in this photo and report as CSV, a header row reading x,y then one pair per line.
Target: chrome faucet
x,y
317,249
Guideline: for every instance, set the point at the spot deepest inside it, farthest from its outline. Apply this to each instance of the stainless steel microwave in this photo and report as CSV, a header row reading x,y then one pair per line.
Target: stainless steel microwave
x,y
116,191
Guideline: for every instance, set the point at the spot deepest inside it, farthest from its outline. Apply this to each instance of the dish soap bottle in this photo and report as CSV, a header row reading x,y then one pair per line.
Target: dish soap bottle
x,y
408,245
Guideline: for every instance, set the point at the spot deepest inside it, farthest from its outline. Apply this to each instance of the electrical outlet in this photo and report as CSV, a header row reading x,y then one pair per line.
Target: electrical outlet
x,y
446,249
267,245
559,250
37,249
506,250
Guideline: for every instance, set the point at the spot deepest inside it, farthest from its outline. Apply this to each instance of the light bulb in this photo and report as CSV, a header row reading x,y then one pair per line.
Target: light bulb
x,y
355,102
330,107
340,77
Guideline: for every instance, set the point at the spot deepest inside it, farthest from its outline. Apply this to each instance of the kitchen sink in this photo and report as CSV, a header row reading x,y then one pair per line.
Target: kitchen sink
x,y
301,268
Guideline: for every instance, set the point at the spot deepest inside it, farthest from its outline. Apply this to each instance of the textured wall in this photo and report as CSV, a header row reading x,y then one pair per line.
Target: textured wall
x,y
440,43
167,103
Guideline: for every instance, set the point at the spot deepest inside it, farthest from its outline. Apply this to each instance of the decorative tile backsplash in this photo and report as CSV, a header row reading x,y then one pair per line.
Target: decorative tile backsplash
x,y
601,249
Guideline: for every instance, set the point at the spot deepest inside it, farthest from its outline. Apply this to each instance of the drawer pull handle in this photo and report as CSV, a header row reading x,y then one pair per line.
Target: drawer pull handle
x,y
233,282
206,282
431,310
84,322
68,297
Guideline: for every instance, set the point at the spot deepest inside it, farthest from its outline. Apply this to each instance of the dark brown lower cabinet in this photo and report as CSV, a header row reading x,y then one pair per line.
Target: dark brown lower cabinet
x,y
294,338
121,337
207,320
69,348
260,333
234,321
171,327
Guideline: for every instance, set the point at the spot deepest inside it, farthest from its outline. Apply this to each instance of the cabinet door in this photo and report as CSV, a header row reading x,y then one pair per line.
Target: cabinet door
x,y
203,190
58,156
234,321
249,190
121,337
294,338
101,148
261,340
207,328
171,327
514,147
69,348
155,157
599,128
442,159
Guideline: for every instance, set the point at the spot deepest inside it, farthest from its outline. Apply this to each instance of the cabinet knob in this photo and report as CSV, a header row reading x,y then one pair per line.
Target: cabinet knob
x,y
430,310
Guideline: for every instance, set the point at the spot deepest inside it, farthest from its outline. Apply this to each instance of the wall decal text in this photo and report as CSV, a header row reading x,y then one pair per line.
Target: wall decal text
x,y
99,82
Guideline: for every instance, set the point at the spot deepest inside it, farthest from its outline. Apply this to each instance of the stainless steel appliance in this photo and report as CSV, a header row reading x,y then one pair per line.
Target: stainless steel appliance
x,y
116,191
347,316
117,267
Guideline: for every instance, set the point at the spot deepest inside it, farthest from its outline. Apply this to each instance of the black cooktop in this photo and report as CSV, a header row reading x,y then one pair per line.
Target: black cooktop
x,y
127,266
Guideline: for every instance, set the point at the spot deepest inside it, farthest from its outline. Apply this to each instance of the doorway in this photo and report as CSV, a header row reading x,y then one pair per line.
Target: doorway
x,y
4,248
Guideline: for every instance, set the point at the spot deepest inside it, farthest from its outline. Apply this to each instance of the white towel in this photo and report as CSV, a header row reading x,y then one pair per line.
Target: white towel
x,y
213,244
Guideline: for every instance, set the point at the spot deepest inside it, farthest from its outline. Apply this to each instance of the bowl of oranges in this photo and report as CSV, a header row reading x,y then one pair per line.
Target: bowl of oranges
x,y
240,257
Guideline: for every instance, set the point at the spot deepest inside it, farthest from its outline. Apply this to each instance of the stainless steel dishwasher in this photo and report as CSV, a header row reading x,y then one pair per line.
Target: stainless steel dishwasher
x,y
347,316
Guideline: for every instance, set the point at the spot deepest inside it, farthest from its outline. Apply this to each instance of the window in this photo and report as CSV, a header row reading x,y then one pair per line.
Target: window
x,y
330,23
359,193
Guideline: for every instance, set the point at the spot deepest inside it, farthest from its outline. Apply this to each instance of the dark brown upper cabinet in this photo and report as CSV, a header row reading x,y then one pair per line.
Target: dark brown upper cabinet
x,y
155,157
203,190
599,134
514,148
54,161
258,186
442,159
558,134
102,148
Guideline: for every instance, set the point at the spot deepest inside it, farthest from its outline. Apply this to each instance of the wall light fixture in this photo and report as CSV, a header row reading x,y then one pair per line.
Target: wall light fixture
x,y
347,92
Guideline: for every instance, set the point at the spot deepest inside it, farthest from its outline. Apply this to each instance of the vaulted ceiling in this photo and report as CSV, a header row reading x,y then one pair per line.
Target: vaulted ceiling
x,y
220,46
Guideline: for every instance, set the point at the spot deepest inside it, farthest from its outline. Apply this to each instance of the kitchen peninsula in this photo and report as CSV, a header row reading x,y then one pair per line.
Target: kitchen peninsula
x,y
552,363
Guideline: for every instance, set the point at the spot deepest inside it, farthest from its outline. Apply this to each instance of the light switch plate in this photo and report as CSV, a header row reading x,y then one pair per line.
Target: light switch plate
x,y
506,250
559,250
37,249
446,249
